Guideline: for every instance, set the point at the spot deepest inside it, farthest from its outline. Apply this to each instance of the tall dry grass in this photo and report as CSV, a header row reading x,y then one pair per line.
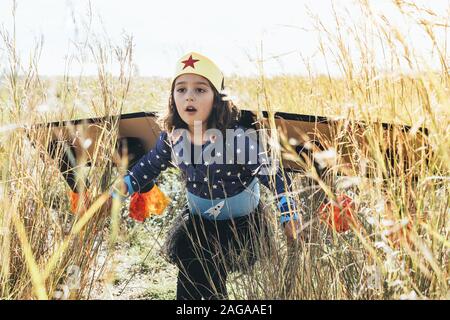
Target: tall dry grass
x,y
400,246
47,251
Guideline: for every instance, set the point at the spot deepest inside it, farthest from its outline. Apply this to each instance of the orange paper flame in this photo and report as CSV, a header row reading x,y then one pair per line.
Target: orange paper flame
x,y
143,205
338,216
75,201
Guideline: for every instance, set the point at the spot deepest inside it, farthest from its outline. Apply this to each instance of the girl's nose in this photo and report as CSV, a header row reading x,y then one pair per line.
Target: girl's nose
x,y
190,96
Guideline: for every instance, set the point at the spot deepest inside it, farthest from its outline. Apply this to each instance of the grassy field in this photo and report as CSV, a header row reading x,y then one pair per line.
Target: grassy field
x,y
398,250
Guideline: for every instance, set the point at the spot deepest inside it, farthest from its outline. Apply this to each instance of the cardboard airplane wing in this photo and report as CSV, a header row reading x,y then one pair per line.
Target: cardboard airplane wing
x,y
304,135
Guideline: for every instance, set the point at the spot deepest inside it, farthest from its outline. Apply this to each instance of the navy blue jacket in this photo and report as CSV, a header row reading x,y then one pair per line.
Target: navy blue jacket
x,y
220,170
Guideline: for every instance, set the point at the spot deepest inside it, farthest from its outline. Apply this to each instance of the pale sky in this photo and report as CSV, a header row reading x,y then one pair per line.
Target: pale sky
x,y
229,32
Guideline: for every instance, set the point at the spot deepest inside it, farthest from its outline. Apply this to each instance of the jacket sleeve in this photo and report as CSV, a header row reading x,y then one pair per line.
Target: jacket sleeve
x,y
142,175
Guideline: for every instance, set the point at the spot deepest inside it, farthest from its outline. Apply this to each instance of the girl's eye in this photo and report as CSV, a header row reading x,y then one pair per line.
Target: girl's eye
x,y
200,90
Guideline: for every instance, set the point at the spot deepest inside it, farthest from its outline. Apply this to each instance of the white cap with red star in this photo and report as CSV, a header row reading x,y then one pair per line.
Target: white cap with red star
x,y
196,63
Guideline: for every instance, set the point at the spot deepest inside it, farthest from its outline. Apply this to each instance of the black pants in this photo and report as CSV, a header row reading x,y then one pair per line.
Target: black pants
x,y
205,251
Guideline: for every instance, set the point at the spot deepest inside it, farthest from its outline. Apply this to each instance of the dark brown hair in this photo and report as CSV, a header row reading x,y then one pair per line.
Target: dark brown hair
x,y
224,113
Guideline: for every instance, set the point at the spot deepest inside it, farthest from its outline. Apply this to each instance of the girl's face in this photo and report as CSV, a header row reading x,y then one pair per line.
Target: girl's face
x,y
193,98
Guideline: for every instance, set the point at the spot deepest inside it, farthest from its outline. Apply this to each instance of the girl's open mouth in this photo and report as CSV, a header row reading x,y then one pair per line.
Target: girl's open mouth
x,y
190,110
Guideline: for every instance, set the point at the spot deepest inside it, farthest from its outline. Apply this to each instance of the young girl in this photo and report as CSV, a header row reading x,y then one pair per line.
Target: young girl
x,y
222,163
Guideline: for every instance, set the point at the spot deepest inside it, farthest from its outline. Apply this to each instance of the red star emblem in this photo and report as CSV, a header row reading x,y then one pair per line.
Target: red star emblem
x,y
189,62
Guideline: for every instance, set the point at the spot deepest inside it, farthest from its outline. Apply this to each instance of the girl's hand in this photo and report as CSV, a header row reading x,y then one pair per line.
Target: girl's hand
x,y
291,229
289,218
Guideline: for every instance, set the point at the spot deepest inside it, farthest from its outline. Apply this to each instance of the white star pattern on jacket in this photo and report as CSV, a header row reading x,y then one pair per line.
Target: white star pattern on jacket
x,y
206,176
